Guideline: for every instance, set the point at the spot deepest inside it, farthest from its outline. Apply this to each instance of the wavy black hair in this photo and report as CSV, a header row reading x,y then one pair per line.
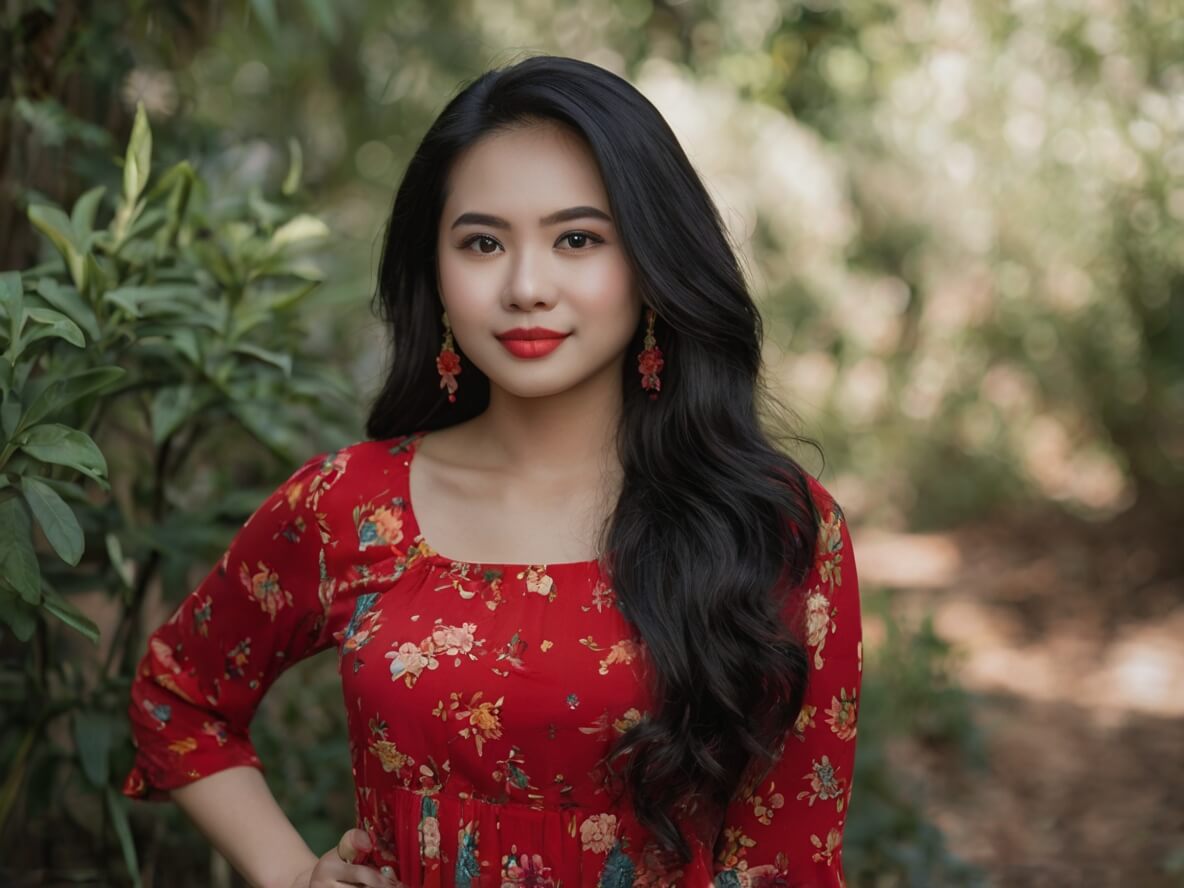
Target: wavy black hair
x,y
715,525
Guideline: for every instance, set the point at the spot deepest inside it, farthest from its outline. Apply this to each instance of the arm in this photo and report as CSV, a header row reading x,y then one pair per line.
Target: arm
x,y
260,609
789,831
235,810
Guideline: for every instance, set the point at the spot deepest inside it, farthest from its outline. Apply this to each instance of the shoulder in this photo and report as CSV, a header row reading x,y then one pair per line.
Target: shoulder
x,y
351,469
833,546
831,584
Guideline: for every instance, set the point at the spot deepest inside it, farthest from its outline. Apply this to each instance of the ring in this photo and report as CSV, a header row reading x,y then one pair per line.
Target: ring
x,y
387,871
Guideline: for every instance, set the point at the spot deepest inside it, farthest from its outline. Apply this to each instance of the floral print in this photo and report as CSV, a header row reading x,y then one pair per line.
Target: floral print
x,y
481,698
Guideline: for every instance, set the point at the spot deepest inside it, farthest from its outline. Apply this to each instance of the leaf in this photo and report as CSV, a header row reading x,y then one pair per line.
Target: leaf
x,y
82,217
295,168
154,300
12,297
171,406
186,343
92,737
325,16
65,391
278,359
117,806
69,614
68,301
18,560
55,324
17,613
299,229
265,9
10,413
138,161
121,567
60,444
56,518
56,226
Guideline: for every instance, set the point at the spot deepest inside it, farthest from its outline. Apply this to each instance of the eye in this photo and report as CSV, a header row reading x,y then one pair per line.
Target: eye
x,y
583,236
479,237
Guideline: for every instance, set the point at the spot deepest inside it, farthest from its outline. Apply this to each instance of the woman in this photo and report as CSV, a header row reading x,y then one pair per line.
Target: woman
x,y
593,628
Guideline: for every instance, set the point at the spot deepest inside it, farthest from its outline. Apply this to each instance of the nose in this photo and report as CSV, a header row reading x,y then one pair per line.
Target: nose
x,y
529,286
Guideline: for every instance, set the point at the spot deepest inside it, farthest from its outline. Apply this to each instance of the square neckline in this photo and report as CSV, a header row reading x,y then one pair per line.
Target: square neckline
x,y
411,440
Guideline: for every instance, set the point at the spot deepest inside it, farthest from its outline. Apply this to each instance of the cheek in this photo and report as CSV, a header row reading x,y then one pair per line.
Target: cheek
x,y
606,290
463,288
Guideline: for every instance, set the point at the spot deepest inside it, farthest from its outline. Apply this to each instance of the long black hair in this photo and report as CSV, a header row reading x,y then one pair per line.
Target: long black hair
x,y
715,523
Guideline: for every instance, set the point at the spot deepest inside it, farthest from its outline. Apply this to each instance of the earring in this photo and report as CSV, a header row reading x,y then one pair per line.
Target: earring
x,y
448,363
649,360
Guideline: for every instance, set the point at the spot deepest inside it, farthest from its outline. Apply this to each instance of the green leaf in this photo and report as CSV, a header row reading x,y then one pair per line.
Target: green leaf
x,y
55,324
122,569
10,413
96,280
17,613
171,406
92,737
265,9
56,518
278,359
60,444
298,230
175,175
18,560
179,199
138,161
117,806
82,217
186,342
56,226
60,393
69,614
68,301
295,168
155,300
325,16
12,298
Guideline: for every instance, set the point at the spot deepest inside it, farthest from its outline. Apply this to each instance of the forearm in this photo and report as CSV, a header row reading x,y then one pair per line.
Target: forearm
x,y
235,810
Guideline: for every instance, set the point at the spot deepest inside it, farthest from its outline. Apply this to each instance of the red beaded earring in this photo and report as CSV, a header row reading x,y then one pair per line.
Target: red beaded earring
x,y
649,360
448,363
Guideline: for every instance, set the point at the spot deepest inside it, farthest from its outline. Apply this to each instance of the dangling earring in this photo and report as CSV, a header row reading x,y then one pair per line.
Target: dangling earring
x,y
448,363
649,360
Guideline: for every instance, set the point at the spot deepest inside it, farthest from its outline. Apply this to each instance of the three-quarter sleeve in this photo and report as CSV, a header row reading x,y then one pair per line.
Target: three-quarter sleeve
x,y
262,607
789,829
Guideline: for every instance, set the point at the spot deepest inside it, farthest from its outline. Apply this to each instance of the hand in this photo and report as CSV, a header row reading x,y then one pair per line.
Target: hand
x,y
336,867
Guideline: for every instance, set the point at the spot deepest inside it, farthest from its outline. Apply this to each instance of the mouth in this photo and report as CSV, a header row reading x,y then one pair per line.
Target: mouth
x,y
530,333
535,346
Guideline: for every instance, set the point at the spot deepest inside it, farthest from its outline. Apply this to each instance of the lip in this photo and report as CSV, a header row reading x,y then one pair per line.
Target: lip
x,y
532,348
528,333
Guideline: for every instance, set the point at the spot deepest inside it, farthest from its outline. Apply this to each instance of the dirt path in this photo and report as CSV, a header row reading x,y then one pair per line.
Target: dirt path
x,y
1072,637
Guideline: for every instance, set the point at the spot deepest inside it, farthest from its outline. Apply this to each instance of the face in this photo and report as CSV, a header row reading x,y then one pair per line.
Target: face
x,y
526,240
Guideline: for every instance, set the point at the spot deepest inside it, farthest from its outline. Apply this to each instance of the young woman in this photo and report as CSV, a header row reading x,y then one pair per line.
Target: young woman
x,y
593,627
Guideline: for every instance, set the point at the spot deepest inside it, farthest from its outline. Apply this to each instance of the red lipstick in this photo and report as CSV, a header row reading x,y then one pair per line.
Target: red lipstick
x,y
531,342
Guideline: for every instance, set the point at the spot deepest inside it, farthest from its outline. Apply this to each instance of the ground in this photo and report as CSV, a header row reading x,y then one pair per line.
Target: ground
x,y
1072,636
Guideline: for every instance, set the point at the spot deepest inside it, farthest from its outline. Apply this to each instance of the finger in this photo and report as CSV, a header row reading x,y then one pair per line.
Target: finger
x,y
353,874
352,844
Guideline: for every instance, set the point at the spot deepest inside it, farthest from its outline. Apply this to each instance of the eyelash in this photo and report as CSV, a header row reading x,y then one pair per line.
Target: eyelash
x,y
477,237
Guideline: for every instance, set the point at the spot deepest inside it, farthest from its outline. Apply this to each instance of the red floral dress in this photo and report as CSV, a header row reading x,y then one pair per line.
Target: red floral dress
x,y
480,697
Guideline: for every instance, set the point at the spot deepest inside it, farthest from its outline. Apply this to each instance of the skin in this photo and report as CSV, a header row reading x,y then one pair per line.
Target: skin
x,y
530,479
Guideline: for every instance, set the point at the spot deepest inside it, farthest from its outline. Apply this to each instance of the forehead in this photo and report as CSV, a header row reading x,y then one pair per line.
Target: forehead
x,y
533,168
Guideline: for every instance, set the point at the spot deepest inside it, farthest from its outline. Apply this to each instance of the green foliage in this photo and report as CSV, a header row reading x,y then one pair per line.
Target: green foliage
x,y
163,324
909,700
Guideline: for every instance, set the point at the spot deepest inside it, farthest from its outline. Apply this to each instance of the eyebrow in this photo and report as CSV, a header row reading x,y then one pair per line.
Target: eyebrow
x,y
559,216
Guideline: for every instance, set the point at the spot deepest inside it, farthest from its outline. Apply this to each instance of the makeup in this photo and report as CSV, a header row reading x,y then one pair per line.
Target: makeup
x,y
531,342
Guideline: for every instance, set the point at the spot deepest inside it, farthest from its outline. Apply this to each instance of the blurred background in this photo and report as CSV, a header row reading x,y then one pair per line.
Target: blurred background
x,y
964,224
